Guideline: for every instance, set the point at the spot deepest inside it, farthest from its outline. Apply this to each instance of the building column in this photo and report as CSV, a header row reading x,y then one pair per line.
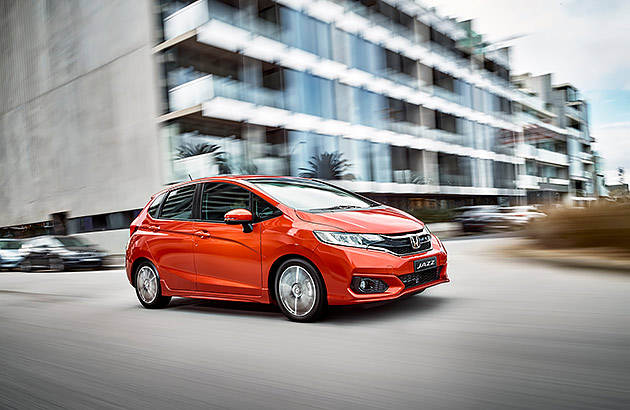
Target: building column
x,y
430,167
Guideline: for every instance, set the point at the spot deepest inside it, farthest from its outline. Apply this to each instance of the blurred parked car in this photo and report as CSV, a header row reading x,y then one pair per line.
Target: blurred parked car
x,y
10,257
478,218
519,216
59,253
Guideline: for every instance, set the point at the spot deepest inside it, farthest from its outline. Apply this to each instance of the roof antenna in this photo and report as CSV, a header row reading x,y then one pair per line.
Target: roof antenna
x,y
189,177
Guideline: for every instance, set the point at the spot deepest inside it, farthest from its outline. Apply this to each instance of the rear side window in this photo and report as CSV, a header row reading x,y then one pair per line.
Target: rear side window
x,y
155,206
219,198
179,203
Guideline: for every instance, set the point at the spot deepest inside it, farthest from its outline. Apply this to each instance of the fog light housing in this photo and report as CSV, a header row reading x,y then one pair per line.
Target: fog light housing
x,y
368,285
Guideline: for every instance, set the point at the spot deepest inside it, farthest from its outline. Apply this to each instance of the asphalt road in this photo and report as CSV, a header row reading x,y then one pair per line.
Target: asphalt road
x,y
504,334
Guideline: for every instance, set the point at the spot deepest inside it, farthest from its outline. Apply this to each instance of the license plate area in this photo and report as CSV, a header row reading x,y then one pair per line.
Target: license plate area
x,y
424,264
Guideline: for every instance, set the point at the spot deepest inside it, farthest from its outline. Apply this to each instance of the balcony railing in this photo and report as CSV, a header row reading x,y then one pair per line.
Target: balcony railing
x,y
202,11
205,88
186,19
573,112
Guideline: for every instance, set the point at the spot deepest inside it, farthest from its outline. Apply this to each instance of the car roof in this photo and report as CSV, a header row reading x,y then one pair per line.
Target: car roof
x,y
233,178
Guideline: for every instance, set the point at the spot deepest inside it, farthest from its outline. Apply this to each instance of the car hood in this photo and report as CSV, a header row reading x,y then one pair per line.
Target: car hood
x,y
383,220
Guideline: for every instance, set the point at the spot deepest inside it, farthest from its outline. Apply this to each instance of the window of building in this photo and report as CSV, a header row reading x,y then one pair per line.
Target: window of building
x,y
179,203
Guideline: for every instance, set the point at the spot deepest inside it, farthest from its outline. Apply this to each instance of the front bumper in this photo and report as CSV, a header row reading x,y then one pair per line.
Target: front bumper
x,y
339,265
10,263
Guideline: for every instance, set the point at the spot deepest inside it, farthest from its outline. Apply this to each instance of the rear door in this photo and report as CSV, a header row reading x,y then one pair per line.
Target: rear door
x,y
227,259
169,238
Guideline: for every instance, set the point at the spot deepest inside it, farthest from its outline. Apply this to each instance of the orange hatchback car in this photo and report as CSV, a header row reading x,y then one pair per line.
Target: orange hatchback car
x,y
300,243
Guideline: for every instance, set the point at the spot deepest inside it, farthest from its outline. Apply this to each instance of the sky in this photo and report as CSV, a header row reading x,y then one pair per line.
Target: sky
x,y
583,42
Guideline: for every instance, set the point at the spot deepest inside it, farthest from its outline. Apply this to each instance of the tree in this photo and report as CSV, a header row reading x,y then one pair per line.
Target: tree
x,y
328,166
190,150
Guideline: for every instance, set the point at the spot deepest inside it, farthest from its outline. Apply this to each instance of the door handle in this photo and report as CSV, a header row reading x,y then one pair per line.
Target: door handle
x,y
154,228
202,234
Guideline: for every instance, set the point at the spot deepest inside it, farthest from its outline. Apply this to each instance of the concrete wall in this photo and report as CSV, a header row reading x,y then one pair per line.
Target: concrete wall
x,y
112,241
78,108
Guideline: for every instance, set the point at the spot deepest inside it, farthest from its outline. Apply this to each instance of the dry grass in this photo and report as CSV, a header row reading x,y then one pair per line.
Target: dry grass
x,y
598,226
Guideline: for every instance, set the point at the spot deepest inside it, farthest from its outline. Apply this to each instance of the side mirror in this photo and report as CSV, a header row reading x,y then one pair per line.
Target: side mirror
x,y
240,217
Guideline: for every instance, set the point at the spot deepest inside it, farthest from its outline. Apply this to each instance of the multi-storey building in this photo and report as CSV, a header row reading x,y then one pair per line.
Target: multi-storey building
x,y
377,97
384,97
559,162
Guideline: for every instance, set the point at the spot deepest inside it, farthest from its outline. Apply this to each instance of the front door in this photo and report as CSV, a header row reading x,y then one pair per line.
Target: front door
x,y
226,258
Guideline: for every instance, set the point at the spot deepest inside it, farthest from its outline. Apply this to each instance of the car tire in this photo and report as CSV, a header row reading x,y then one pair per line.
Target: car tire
x,y
26,266
148,289
56,264
300,291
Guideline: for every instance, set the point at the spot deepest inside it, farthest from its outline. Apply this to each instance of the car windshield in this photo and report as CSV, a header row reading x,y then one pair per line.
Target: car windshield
x,y
71,241
10,244
312,196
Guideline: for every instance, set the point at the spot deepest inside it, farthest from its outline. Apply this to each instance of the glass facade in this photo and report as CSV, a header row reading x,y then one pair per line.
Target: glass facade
x,y
211,144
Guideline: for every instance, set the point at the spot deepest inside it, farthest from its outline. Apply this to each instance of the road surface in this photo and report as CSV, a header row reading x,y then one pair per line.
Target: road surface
x,y
503,334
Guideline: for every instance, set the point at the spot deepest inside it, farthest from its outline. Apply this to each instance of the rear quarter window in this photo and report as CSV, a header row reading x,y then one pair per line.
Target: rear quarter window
x,y
155,205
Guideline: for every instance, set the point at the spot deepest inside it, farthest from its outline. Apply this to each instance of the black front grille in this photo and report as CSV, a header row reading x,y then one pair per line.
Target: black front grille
x,y
420,278
403,244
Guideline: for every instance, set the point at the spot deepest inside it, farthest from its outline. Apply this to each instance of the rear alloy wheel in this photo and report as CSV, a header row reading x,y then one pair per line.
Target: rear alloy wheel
x,y
300,291
148,287
56,264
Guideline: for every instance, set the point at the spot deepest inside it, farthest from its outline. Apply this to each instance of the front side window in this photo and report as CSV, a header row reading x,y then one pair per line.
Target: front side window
x,y
263,210
179,203
218,198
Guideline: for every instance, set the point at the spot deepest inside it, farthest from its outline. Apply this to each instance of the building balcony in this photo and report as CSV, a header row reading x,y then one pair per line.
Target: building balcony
x,y
528,182
581,175
536,182
207,87
542,155
526,119
586,157
202,11
186,19
574,113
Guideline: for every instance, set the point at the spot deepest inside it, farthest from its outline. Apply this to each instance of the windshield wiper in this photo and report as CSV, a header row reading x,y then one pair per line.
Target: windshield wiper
x,y
336,208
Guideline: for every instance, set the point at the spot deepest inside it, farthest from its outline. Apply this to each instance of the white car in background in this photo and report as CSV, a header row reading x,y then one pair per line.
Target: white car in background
x,y
519,216
10,257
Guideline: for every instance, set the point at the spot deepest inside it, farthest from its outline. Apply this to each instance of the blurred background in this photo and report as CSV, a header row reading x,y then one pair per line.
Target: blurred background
x,y
504,125
105,103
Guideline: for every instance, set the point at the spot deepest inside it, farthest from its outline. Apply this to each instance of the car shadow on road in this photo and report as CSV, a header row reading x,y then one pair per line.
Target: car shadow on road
x,y
336,314
224,307
401,308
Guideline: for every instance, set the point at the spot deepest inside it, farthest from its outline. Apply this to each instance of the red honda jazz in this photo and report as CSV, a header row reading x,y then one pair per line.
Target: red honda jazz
x,y
303,244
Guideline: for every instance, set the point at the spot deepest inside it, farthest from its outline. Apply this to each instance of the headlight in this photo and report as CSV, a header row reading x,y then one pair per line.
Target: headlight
x,y
347,239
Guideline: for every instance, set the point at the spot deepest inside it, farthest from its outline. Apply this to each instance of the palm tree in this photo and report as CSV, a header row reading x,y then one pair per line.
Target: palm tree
x,y
190,150
327,166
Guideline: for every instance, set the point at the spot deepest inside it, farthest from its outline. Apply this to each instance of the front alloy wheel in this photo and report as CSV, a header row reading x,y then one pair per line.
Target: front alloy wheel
x,y
148,287
56,264
300,291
